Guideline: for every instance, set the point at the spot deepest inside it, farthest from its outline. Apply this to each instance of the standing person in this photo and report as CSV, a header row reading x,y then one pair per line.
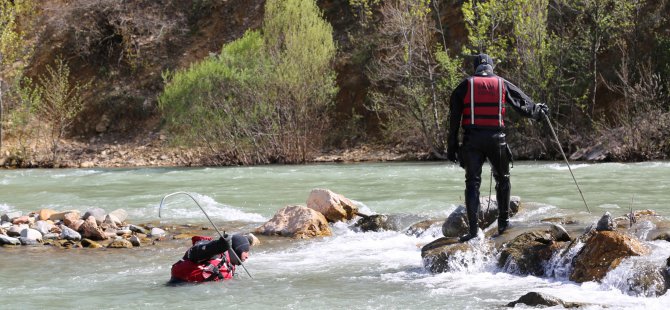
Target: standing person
x,y
478,105
210,260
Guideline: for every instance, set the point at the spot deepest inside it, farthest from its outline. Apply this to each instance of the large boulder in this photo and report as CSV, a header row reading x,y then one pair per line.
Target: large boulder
x,y
437,255
90,229
333,206
527,253
296,222
602,252
642,278
447,254
456,223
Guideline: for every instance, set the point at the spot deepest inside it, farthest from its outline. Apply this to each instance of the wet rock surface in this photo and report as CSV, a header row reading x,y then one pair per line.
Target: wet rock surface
x,y
456,223
602,252
296,222
535,299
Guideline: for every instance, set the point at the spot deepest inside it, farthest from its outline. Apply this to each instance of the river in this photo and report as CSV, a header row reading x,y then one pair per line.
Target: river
x,y
373,270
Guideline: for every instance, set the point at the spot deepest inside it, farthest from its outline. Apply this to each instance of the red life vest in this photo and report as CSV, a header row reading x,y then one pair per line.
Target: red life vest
x,y
189,271
484,104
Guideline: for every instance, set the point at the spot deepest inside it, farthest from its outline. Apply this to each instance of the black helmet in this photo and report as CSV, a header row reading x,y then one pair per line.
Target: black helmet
x,y
483,64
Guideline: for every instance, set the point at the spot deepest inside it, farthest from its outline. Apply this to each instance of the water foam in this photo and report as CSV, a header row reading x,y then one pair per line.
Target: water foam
x,y
558,166
75,173
185,208
4,208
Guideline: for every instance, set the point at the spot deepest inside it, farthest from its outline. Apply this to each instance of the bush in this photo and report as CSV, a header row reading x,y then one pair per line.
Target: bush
x,y
260,100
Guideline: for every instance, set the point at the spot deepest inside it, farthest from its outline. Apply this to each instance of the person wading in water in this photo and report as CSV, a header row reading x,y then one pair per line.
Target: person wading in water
x,y
478,106
210,260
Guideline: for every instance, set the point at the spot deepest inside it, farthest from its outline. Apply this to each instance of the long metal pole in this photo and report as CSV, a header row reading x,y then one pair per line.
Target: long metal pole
x,y
231,251
566,160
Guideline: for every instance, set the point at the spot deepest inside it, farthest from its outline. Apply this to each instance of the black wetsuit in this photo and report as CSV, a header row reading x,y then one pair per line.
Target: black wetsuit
x,y
481,143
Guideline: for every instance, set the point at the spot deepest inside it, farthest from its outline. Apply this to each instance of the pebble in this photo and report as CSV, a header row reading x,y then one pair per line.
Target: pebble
x,y
30,233
28,241
157,233
135,241
69,234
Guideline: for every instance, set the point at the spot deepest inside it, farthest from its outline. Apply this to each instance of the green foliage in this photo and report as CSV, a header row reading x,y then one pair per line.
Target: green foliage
x,y
17,22
487,23
452,69
260,100
60,102
410,85
21,127
599,26
363,9
533,69
14,43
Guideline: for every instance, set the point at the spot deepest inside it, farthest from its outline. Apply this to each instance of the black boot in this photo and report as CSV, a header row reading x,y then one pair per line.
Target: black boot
x,y
472,207
502,197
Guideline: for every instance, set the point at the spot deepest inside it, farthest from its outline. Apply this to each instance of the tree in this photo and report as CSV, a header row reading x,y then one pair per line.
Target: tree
x,y
301,84
408,77
60,101
599,25
487,23
15,46
262,99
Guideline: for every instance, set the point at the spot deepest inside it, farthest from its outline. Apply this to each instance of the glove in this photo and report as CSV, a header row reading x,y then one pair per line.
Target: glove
x,y
451,154
224,243
539,110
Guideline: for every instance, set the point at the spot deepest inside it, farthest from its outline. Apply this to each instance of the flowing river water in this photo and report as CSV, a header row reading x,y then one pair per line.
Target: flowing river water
x,y
372,270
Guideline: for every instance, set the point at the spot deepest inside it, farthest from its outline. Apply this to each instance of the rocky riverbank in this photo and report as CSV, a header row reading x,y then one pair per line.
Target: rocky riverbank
x,y
154,150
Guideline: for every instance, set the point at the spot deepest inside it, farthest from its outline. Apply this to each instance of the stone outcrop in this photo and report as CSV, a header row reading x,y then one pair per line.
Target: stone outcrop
x,y
527,252
535,299
645,278
456,223
296,222
333,206
377,222
436,255
605,223
602,252
419,228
